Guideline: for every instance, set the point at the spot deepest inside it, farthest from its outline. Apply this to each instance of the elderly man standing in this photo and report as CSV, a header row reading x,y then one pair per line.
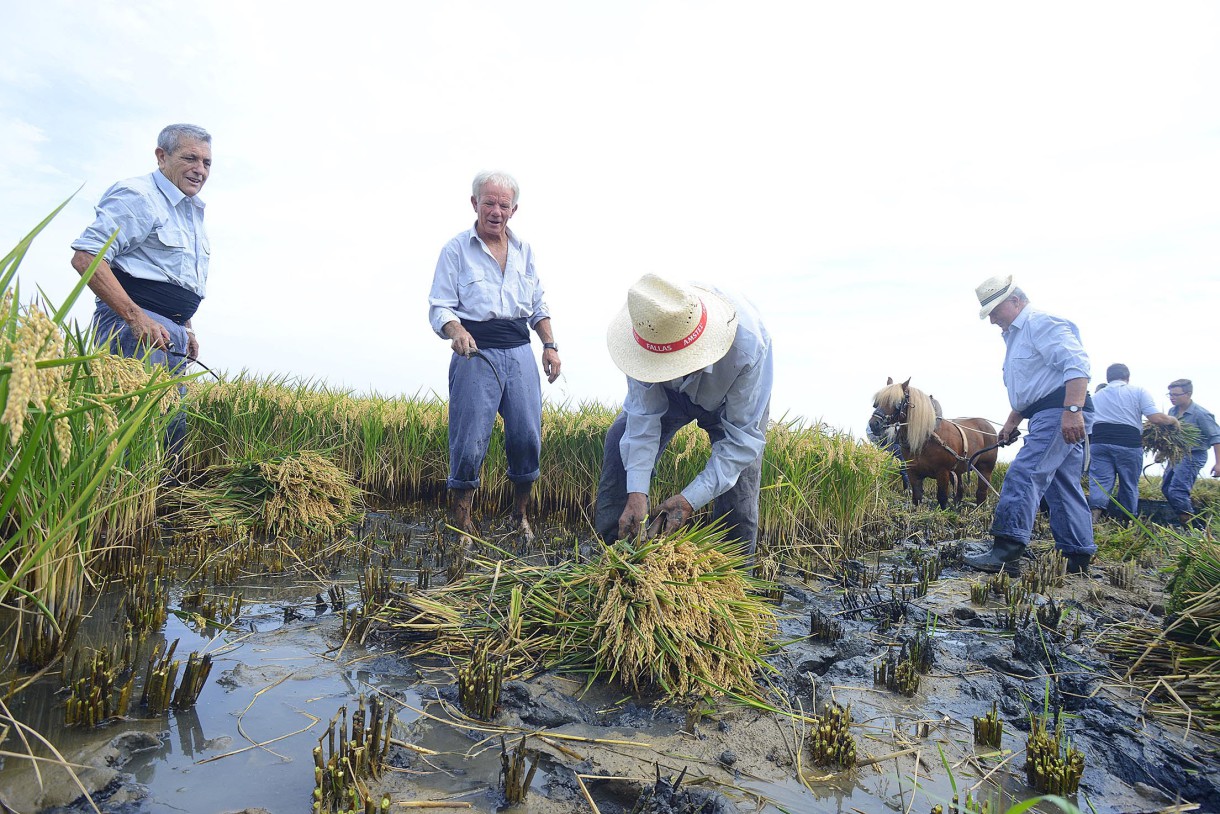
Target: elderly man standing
x,y
1046,372
690,354
1116,451
485,297
151,279
1179,479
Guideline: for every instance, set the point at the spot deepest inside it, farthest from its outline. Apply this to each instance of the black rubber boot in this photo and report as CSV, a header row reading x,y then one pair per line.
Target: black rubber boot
x,y
1079,563
1005,555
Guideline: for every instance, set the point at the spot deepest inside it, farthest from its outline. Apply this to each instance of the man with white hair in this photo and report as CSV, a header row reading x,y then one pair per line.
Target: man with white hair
x,y
691,353
151,279
1116,449
485,297
1046,373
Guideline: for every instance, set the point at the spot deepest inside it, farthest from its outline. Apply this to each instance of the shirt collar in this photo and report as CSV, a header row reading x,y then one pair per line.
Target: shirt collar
x,y
512,238
1018,321
171,192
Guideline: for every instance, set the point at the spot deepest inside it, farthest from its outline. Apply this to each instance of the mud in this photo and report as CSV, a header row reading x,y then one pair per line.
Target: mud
x,y
599,741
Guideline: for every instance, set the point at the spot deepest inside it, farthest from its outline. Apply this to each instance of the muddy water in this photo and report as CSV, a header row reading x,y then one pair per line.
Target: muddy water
x,y
279,677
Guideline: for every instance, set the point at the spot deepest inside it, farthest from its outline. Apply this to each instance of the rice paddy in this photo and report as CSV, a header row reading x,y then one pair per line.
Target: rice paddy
x,y
561,669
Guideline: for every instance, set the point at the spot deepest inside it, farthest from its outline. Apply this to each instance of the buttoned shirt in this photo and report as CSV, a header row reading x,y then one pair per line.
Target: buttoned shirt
x,y
1123,403
736,387
1042,352
1201,417
468,284
160,232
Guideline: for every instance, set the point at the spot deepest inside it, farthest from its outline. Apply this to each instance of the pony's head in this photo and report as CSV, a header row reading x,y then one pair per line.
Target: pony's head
x,y
898,406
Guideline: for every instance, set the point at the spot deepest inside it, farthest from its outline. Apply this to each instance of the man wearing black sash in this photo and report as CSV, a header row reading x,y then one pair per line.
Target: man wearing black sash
x,y
153,276
485,297
1046,373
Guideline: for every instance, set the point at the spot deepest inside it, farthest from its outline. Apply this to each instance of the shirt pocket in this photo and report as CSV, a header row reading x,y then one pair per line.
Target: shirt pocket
x,y
469,276
167,249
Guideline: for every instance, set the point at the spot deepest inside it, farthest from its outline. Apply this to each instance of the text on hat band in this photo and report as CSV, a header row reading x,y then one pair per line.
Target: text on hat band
x,y
682,343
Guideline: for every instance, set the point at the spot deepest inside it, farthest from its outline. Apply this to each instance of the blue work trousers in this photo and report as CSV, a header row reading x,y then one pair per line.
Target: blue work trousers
x,y
110,329
1114,474
477,392
1047,467
738,506
1180,478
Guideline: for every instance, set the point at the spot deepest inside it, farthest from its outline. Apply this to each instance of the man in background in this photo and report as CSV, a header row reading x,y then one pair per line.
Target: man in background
x,y
1179,479
1046,373
1116,442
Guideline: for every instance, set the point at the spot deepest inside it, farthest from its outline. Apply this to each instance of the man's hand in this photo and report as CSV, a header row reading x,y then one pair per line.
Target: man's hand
x,y
551,364
633,515
192,345
1006,435
1073,427
671,516
148,331
1216,470
463,343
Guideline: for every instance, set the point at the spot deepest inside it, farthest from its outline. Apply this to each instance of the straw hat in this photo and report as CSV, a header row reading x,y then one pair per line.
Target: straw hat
x,y
992,292
669,330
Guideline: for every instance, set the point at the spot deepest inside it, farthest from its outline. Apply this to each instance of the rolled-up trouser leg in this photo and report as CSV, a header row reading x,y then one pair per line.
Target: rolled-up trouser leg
x,y
1179,480
521,408
474,397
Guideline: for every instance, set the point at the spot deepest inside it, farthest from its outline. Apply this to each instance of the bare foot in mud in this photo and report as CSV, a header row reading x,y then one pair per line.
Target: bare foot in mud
x,y
523,525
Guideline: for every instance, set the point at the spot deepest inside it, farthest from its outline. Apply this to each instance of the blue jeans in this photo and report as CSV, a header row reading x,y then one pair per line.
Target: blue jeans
x,y
1180,478
1047,467
110,329
738,506
476,394
1114,472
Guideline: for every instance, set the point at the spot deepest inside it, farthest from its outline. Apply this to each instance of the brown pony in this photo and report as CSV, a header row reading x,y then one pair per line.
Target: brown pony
x,y
907,419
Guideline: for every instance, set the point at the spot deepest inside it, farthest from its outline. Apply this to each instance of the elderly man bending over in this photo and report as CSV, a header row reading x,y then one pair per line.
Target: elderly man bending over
x,y
690,354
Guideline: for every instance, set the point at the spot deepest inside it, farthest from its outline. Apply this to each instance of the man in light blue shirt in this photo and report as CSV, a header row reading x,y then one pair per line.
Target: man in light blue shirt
x,y
691,353
152,278
485,297
1179,479
1116,447
1046,372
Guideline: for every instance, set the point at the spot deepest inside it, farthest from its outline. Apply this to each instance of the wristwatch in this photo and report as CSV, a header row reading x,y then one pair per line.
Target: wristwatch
x,y
551,346
1073,408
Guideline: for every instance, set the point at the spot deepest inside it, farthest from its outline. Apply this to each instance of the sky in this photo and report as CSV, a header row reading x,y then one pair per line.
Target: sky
x,y
854,169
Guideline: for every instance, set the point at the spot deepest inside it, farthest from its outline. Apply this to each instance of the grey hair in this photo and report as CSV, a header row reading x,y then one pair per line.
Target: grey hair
x,y
1021,296
172,136
500,179
1118,371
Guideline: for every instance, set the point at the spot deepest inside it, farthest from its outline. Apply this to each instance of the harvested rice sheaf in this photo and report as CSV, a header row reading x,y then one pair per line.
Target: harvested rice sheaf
x,y
1170,444
677,614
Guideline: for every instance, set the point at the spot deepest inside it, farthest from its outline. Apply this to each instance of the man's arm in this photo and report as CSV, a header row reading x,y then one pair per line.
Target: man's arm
x,y
1162,419
1073,423
550,356
106,286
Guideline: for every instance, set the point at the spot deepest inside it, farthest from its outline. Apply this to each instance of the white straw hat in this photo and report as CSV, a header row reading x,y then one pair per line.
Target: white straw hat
x,y
668,330
992,292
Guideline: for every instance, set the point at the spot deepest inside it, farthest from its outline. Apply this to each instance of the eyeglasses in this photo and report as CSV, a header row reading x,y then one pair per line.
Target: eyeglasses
x,y
1175,395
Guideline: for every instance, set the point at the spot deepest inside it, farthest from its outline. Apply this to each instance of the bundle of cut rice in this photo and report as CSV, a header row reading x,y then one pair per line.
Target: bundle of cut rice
x,y
1168,444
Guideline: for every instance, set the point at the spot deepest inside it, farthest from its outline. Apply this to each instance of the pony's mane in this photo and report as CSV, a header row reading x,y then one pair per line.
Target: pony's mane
x,y
921,413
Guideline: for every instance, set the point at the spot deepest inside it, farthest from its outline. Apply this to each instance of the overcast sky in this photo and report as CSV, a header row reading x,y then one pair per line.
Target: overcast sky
x,y
856,169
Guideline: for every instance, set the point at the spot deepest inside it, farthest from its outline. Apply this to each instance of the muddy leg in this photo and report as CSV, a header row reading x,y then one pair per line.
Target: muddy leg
x,y
942,489
463,503
521,500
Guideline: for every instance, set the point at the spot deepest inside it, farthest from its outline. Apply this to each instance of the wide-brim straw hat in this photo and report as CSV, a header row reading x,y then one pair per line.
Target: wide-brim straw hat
x,y
668,330
992,292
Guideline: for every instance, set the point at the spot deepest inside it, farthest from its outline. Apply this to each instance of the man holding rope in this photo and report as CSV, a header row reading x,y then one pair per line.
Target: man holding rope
x,y
1046,373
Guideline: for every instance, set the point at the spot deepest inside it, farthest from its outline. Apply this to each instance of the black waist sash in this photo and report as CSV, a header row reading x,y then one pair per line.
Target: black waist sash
x,y
499,333
1054,401
170,300
1119,435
